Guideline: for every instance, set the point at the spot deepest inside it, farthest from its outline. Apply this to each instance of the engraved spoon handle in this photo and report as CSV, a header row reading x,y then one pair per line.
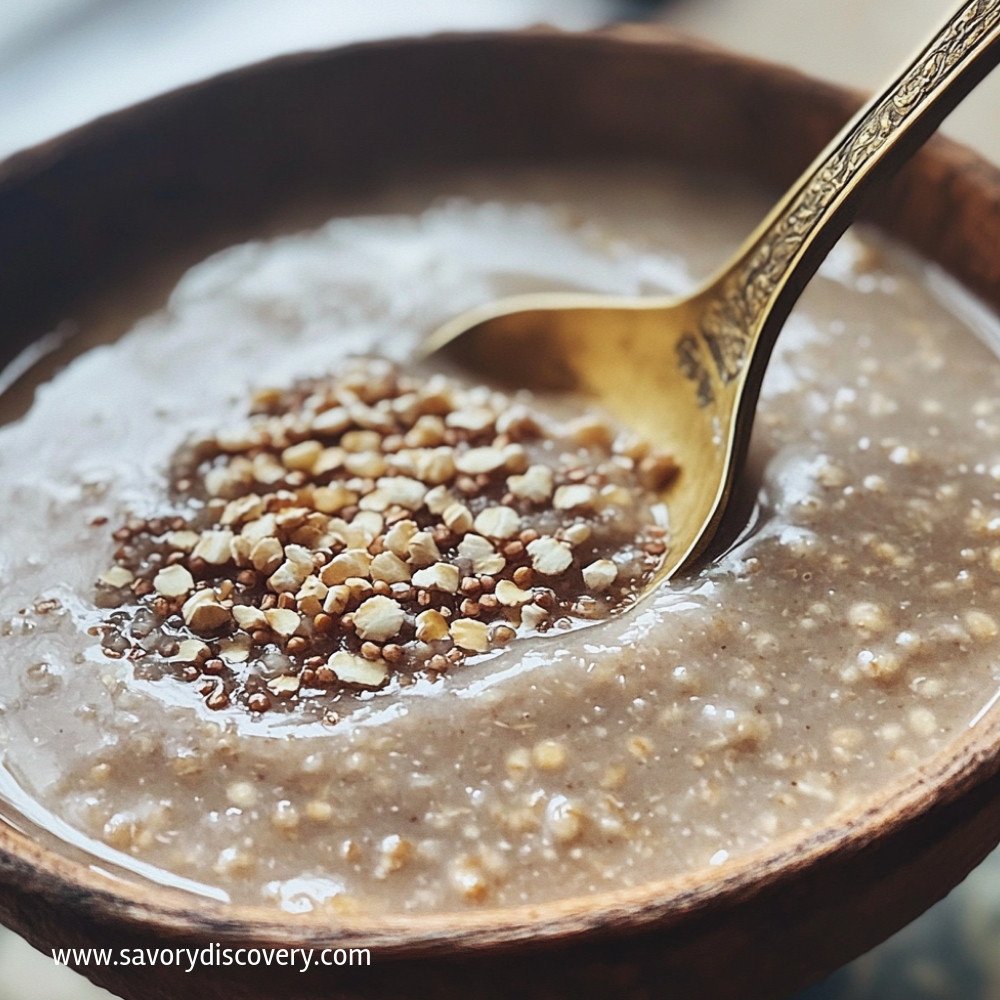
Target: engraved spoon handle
x,y
745,307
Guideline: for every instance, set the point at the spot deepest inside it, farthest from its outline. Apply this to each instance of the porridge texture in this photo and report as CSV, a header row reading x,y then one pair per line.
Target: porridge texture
x,y
849,633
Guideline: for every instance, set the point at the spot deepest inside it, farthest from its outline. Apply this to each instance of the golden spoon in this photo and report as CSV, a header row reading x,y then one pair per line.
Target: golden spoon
x,y
687,372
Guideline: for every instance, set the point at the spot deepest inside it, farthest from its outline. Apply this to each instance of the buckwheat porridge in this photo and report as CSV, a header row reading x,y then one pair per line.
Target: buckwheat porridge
x,y
287,619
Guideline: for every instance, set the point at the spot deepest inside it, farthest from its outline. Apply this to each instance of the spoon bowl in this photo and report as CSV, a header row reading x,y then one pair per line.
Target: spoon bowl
x,y
687,372
628,356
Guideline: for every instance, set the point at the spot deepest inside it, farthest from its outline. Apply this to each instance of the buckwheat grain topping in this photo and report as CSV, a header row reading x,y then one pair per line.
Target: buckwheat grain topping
x,y
373,527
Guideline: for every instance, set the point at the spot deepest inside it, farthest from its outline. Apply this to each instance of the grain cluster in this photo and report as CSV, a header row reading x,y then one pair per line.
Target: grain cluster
x,y
374,527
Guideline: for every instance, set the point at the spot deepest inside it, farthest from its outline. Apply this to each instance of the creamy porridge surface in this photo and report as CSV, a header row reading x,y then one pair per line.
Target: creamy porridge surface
x,y
847,635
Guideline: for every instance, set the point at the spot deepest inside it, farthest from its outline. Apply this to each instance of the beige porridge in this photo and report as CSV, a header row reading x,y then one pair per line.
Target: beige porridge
x,y
156,709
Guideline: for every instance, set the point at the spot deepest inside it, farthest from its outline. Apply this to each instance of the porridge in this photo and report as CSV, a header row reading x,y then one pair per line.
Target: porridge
x,y
230,667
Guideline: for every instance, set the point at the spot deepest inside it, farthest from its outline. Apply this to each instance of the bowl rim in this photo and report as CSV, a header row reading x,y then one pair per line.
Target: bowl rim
x,y
967,761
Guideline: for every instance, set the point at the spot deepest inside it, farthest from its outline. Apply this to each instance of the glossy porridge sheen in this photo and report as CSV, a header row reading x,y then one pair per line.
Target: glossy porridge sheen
x,y
847,635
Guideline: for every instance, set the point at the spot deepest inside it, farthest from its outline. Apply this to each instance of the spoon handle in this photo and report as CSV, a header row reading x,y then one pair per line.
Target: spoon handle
x,y
745,306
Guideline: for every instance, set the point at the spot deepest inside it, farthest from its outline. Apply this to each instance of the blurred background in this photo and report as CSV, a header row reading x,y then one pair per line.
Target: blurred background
x,y
63,62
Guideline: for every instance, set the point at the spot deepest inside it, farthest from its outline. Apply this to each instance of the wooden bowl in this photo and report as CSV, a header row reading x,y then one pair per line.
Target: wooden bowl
x,y
113,212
